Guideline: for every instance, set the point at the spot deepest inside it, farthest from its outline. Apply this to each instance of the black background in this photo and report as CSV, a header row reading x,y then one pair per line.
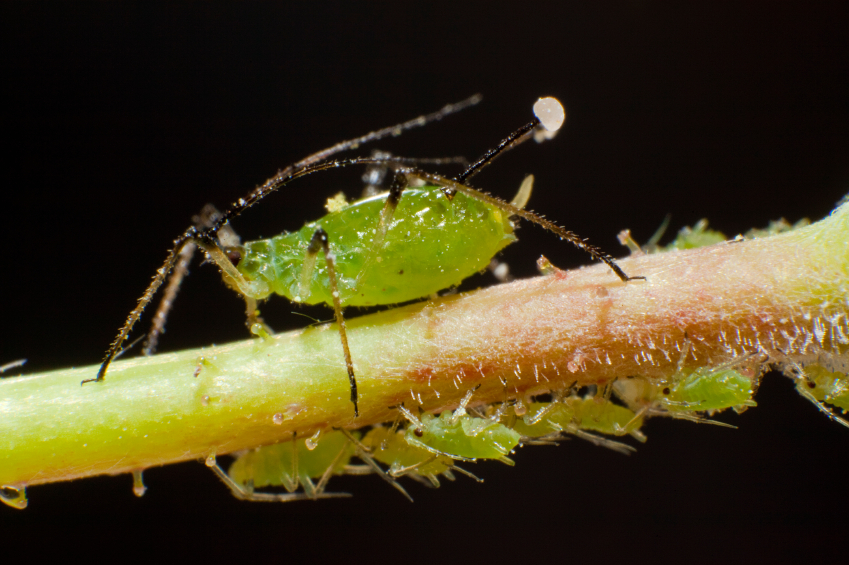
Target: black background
x,y
122,120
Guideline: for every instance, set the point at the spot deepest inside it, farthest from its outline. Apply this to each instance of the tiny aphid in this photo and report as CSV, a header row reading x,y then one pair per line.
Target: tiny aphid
x,y
688,392
825,386
390,446
458,435
289,465
405,244
579,416
822,387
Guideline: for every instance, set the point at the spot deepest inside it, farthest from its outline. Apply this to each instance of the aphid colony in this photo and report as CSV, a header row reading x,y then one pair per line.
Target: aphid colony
x,y
426,447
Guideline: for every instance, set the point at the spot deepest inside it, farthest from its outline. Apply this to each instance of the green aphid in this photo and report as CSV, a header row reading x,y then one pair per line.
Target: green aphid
x,y
460,436
390,447
425,234
291,465
466,232
689,392
544,418
825,386
697,236
707,389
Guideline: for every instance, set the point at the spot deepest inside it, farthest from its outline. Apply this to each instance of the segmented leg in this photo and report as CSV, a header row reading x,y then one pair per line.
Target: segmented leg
x,y
246,493
319,242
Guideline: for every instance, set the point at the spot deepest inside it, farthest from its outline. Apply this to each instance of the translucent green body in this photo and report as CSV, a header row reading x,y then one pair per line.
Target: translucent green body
x,y
273,465
431,244
465,437
585,413
706,389
825,386
391,448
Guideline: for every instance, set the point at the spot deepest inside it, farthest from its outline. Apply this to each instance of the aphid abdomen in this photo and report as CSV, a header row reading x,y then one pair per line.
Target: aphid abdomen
x,y
465,438
431,244
392,449
605,417
704,389
273,465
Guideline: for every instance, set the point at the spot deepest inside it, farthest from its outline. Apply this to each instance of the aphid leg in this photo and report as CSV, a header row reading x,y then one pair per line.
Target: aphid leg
x,y
452,186
161,275
227,238
322,482
376,175
631,427
319,242
695,418
181,269
363,453
311,164
467,473
617,446
243,493
138,483
461,409
401,471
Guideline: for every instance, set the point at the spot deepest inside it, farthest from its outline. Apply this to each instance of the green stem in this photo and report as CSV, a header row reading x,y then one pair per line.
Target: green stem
x,y
784,297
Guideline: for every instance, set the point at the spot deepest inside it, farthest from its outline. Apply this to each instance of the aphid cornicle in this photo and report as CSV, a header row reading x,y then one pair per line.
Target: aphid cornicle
x,y
405,244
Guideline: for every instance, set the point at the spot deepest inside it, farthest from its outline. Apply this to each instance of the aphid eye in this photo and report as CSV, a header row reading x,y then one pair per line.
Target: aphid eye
x,y
812,384
234,255
666,391
401,272
418,432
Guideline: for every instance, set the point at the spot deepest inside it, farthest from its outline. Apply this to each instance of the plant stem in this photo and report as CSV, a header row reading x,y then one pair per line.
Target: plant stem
x,y
784,297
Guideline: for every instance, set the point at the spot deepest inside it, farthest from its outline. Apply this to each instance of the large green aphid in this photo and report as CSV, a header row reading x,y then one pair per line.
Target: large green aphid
x,y
405,244
466,232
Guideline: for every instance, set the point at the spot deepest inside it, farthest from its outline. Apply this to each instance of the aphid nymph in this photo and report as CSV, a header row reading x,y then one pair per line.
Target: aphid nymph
x,y
407,243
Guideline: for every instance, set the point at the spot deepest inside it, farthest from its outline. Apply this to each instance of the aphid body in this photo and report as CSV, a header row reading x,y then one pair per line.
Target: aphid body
x,y
459,435
688,392
431,243
544,418
710,389
390,447
293,464
825,386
